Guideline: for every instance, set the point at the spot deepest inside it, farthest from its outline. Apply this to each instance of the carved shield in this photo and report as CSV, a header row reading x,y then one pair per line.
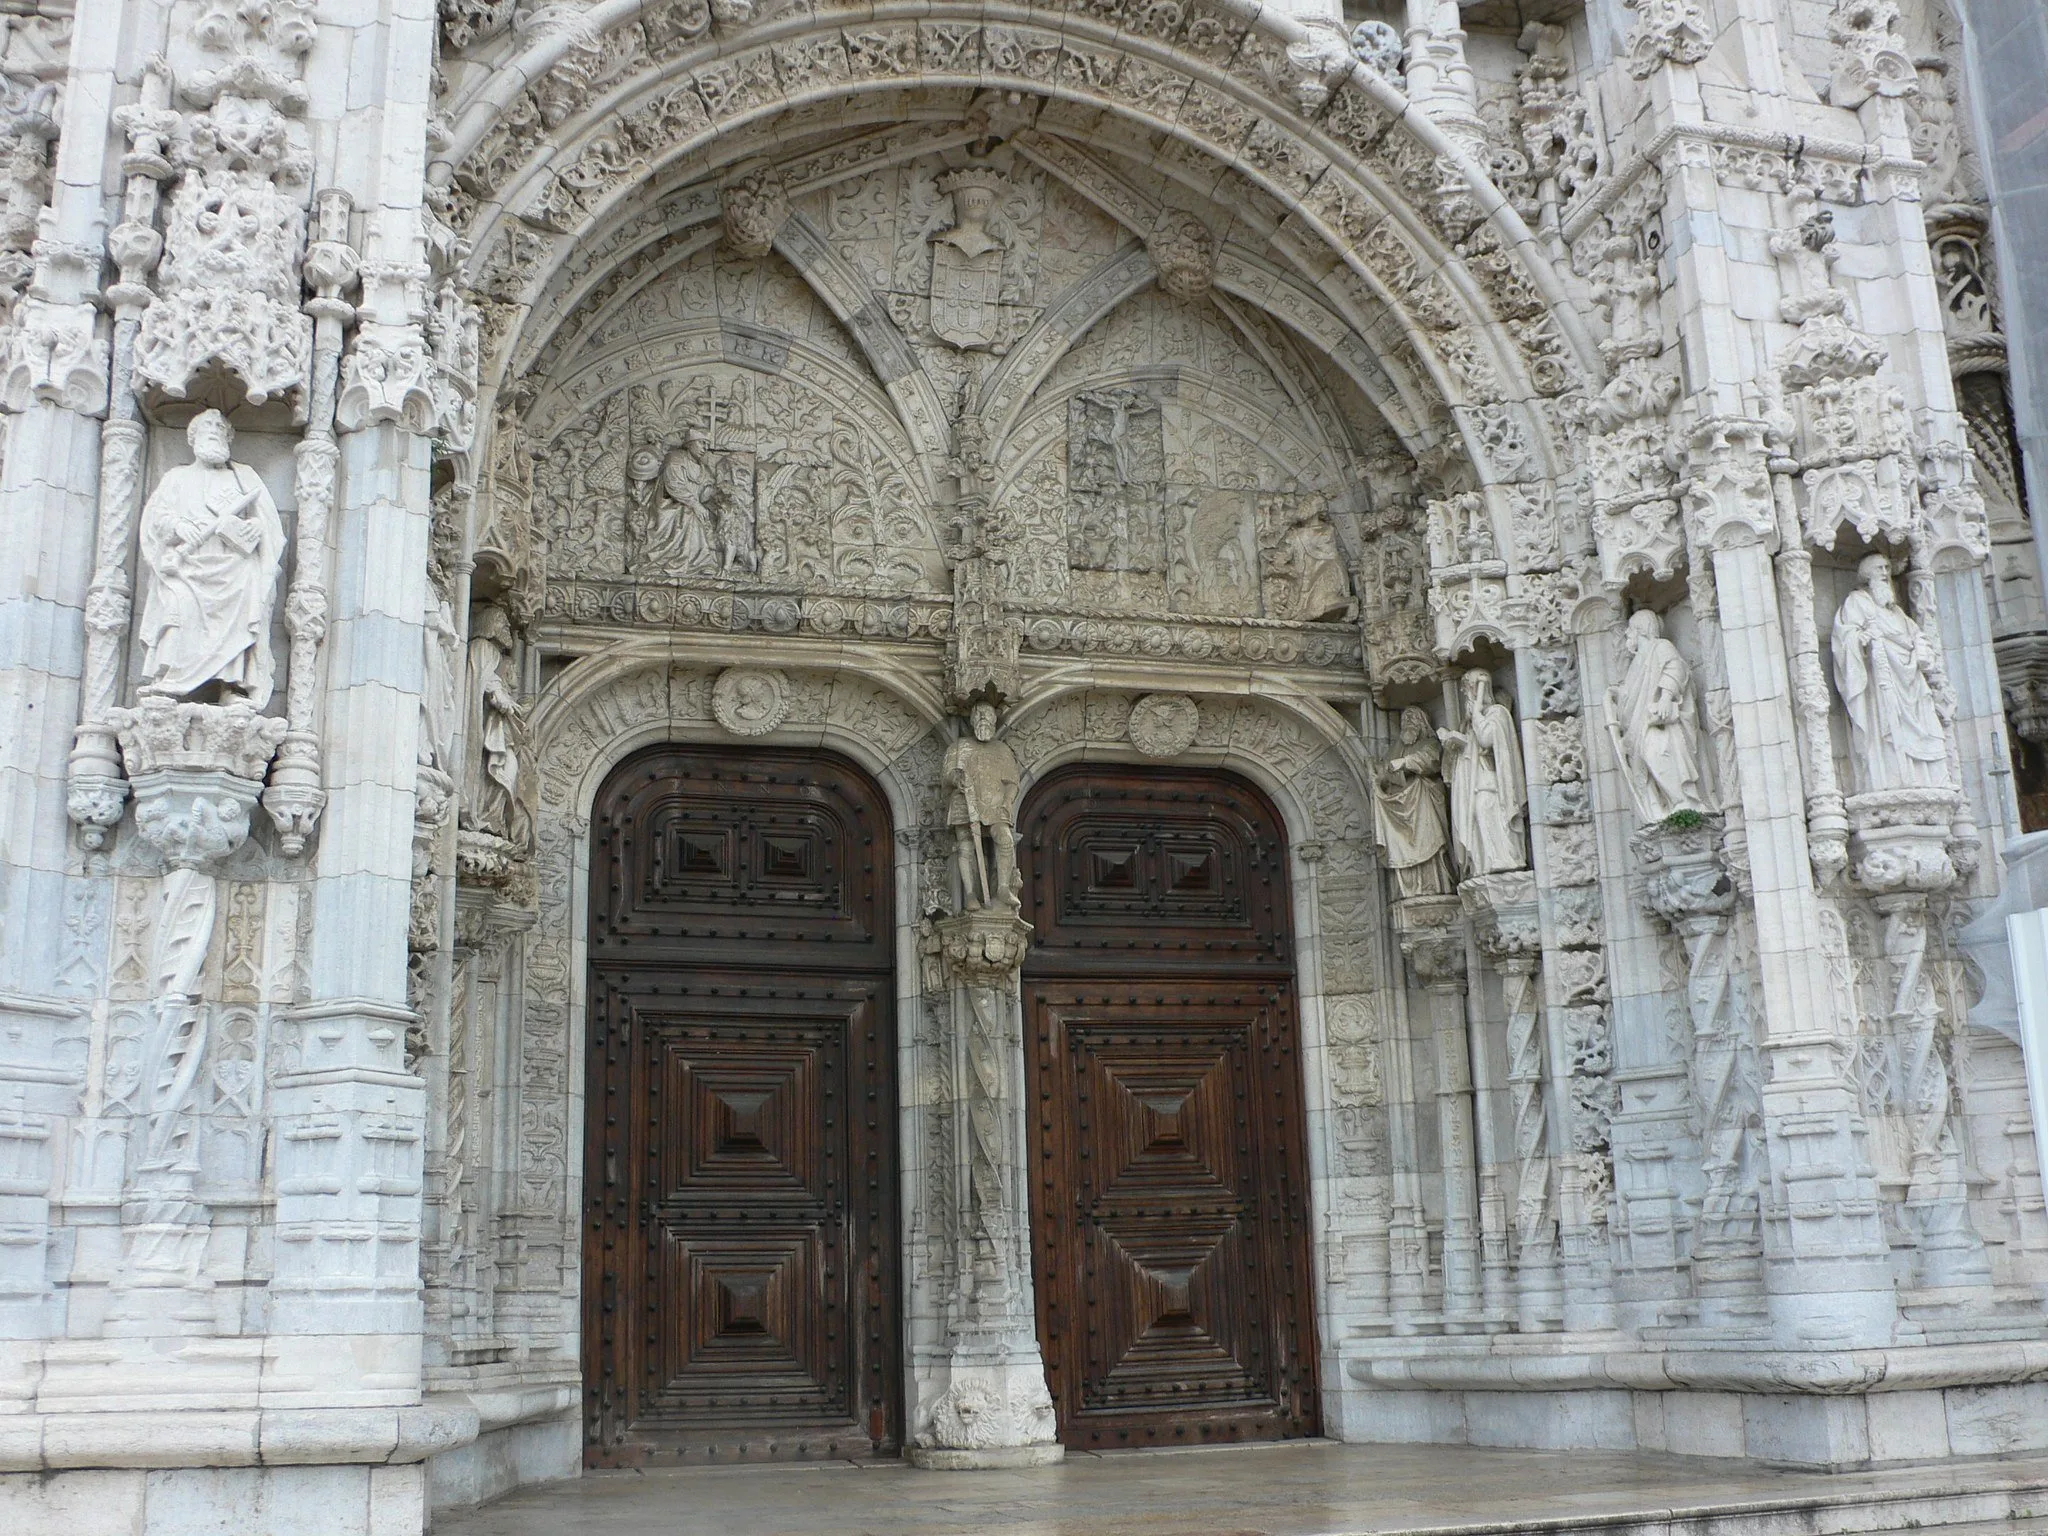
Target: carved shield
x,y
966,291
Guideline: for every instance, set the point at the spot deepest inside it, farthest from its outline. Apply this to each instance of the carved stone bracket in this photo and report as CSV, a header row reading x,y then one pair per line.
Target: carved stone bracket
x,y
984,947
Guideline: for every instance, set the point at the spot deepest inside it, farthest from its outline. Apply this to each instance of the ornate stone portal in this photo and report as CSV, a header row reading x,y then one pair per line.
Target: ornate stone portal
x,y
967,397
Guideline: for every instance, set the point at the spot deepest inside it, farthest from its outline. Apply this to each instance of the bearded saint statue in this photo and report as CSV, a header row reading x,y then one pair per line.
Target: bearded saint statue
x,y
1890,685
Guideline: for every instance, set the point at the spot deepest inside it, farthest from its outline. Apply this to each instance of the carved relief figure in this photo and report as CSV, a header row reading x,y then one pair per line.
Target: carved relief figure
x,y
1116,471
212,545
669,526
1408,813
1489,796
1305,576
1886,671
490,790
983,781
1653,721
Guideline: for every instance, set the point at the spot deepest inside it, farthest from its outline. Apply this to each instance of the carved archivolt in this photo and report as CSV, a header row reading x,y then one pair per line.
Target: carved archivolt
x,y
1218,85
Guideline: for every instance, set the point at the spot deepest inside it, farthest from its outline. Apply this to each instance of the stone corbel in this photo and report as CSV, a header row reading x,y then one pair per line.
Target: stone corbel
x,y
387,378
1667,32
753,207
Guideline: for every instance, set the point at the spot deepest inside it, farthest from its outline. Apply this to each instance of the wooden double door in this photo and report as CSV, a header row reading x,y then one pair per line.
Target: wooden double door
x,y
740,1246
1170,1199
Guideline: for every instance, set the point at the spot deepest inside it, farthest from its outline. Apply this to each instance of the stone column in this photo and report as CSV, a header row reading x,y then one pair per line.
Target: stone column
x,y
995,1410
1504,912
1688,887
1434,938
1827,1261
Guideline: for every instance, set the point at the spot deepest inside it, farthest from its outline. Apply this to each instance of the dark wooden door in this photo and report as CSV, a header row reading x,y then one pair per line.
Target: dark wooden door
x,y
1171,1200
740,1242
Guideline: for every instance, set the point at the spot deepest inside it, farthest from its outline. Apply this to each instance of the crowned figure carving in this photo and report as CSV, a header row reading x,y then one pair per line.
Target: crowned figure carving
x,y
967,261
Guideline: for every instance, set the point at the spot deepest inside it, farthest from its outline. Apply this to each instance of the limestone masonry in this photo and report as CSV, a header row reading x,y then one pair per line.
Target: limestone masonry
x,y
1554,457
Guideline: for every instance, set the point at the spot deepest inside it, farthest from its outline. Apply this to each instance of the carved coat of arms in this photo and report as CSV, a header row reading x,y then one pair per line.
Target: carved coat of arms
x,y
967,262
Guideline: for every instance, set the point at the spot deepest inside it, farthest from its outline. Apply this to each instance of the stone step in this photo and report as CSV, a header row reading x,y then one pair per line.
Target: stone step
x,y
1947,1503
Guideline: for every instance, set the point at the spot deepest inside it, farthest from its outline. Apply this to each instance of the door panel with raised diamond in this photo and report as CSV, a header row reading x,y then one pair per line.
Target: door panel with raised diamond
x,y
1170,1209
740,1248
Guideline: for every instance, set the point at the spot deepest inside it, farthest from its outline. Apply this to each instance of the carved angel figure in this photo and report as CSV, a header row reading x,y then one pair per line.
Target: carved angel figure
x,y
1891,688
1489,796
1653,721
1408,816
983,779
212,545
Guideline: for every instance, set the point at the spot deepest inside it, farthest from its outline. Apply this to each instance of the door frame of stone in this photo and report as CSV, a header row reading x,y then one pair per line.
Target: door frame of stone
x,y
866,704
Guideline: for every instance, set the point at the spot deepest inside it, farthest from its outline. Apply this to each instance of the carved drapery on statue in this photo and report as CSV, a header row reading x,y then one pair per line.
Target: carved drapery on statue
x,y
1885,668
1489,794
1409,816
212,545
1653,722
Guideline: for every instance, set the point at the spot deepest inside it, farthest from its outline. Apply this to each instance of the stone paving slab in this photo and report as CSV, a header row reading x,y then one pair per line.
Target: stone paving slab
x,y
1312,1488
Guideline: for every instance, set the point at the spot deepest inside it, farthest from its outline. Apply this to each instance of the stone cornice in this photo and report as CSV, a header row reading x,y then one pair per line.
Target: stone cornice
x,y
1797,148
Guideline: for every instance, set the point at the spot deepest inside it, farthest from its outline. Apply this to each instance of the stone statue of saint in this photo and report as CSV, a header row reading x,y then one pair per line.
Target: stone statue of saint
x,y
1653,721
490,787
982,775
1408,816
212,546
1489,797
1886,671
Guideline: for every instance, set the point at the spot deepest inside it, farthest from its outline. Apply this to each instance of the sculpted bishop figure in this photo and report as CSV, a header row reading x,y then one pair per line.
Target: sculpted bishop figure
x,y
1408,814
1886,671
984,781
1654,724
211,549
1489,796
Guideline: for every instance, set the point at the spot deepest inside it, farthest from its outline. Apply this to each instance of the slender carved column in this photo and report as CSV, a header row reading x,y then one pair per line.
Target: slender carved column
x,y
995,1410
294,797
1433,937
1827,823
97,787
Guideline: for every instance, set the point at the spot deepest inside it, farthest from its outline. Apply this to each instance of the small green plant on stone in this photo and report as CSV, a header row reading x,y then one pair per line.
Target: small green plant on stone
x,y
1684,821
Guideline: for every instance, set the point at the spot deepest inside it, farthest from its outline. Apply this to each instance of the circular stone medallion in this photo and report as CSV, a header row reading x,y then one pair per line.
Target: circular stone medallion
x,y
1163,724
750,701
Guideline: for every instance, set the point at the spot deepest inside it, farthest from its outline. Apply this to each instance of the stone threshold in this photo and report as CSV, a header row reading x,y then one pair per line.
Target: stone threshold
x,y
1304,1489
